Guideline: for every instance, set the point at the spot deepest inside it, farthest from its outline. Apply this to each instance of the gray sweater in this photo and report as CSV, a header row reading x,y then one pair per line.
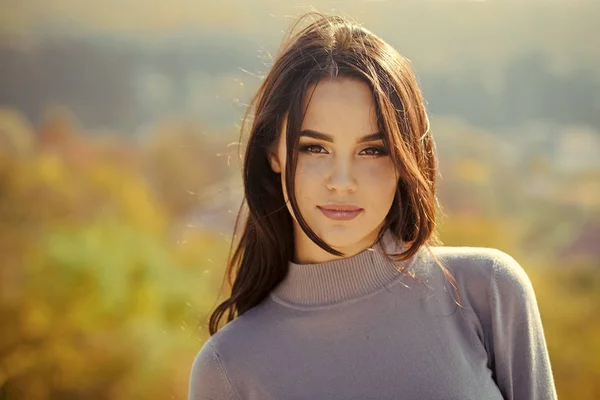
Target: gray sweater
x,y
356,328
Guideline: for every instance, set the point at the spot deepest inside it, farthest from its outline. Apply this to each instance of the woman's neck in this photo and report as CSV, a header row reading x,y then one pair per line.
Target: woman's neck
x,y
308,252
329,283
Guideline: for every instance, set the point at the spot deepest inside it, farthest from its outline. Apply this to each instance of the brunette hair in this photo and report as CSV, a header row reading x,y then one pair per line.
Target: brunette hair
x,y
328,47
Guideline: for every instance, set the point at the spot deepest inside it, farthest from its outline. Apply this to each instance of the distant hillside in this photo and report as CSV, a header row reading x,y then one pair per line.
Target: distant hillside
x,y
448,35
496,63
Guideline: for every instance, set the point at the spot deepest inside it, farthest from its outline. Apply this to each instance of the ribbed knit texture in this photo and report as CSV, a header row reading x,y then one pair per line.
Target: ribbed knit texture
x,y
333,282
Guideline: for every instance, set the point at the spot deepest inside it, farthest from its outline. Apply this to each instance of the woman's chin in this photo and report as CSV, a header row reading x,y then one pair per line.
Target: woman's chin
x,y
340,239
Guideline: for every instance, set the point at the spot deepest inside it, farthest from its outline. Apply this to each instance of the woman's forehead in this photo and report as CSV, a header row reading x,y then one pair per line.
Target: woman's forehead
x,y
341,108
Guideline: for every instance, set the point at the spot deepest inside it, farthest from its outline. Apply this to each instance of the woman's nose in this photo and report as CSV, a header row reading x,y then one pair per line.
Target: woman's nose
x,y
341,177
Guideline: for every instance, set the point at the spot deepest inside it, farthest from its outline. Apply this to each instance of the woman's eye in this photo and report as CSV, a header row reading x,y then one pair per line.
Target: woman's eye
x,y
312,148
375,151
317,149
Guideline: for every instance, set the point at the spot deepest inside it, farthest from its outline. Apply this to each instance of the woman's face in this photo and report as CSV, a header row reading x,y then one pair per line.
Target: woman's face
x,y
341,161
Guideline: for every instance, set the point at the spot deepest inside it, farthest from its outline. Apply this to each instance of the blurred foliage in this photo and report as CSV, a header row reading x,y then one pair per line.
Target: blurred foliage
x,y
99,296
105,275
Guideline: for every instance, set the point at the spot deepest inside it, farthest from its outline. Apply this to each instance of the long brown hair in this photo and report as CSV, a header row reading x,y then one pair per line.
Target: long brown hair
x,y
327,47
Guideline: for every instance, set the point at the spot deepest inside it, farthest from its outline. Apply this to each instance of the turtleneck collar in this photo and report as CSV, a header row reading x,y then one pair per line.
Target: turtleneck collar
x,y
328,283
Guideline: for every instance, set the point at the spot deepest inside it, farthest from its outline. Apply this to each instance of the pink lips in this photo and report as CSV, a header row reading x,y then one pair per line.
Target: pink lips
x,y
340,212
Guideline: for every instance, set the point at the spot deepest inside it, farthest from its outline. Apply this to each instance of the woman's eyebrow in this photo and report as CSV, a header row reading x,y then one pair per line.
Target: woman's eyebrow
x,y
328,138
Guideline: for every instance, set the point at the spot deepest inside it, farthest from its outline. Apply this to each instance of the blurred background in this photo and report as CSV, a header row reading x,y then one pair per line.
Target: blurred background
x,y
120,181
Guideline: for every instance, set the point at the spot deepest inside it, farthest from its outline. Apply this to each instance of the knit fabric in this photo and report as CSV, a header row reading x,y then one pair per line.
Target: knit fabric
x,y
365,327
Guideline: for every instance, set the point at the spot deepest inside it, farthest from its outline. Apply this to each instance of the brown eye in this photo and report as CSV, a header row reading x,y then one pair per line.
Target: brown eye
x,y
375,151
312,148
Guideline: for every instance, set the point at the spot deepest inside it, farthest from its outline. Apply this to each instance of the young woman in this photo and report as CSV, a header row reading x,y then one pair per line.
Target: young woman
x,y
341,289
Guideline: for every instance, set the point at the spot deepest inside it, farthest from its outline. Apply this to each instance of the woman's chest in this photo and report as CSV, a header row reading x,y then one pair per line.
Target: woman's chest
x,y
371,353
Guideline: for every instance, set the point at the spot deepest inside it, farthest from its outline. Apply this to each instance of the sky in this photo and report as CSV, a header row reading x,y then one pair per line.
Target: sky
x,y
152,16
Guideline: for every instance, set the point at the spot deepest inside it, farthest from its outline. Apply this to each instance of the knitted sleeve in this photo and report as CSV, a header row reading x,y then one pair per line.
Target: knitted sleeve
x,y
208,378
520,360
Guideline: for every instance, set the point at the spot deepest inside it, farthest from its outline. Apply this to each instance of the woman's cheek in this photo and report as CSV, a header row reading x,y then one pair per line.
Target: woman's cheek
x,y
379,169
311,168
308,176
378,177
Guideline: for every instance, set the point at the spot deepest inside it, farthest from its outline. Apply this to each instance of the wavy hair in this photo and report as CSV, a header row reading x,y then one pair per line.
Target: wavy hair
x,y
327,47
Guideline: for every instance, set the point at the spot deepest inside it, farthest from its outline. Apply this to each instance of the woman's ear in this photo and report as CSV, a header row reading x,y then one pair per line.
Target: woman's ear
x,y
273,151
274,160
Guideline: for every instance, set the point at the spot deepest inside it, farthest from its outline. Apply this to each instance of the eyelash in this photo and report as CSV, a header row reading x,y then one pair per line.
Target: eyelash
x,y
306,149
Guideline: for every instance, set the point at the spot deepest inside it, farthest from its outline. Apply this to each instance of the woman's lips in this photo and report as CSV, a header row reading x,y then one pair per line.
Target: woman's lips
x,y
340,213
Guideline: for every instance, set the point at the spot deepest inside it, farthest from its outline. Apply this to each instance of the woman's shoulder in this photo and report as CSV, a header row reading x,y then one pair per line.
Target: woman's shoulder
x,y
468,253
222,353
491,262
244,332
484,271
